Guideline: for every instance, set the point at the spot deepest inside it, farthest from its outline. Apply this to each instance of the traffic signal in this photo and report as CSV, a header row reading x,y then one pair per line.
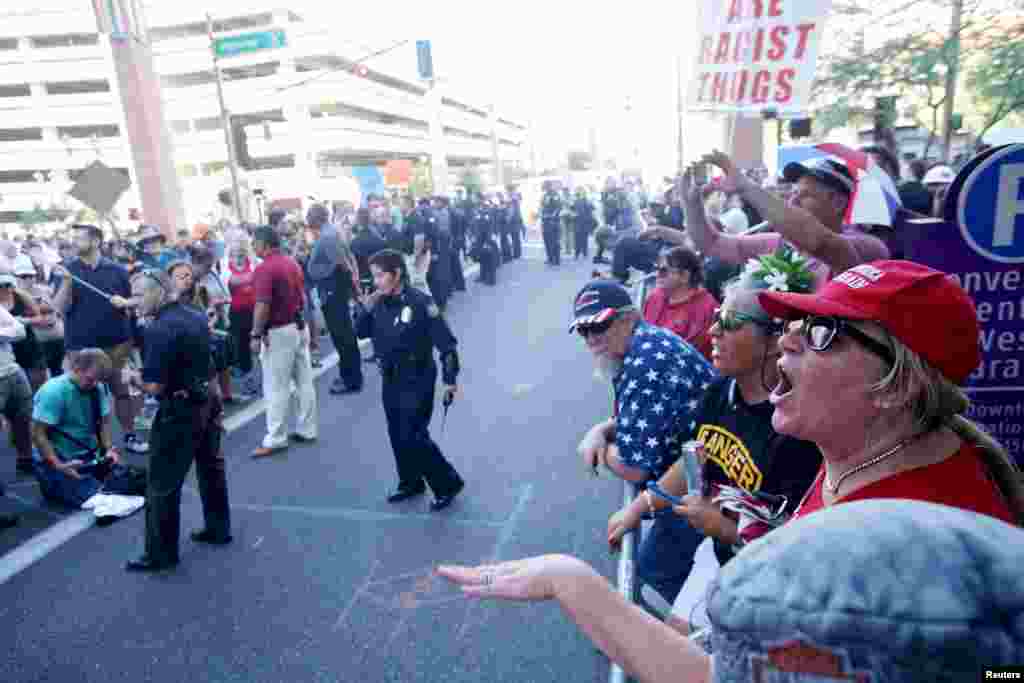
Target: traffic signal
x,y
957,121
240,142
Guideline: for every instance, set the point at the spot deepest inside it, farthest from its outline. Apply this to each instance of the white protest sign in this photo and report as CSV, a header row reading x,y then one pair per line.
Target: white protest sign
x,y
756,55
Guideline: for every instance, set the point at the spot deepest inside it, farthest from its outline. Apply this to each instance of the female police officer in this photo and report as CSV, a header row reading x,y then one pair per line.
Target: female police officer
x,y
405,324
177,369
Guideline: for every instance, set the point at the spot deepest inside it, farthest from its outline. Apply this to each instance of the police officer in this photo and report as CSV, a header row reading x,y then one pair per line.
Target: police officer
x,y
458,225
406,325
550,221
177,367
515,222
485,251
504,226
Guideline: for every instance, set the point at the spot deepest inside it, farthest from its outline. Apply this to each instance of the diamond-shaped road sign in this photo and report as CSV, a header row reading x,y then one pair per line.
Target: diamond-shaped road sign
x,y
99,187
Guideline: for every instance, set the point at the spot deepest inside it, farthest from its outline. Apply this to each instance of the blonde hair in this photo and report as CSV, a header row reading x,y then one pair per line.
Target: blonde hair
x,y
937,402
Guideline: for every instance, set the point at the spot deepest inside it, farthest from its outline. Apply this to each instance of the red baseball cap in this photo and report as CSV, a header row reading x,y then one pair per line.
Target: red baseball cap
x,y
922,307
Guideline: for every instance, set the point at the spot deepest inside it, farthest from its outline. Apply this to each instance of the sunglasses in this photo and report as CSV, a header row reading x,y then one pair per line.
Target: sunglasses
x,y
734,320
595,329
820,331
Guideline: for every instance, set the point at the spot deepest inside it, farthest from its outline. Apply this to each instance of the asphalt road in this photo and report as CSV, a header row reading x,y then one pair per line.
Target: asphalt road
x,y
326,581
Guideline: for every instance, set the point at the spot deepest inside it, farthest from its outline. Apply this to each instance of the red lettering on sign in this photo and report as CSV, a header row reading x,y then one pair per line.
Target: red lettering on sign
x,y
759,94
784,85
735,9
801,46
775,9
741,43
722,55
740,86
758,47
718,88
778,37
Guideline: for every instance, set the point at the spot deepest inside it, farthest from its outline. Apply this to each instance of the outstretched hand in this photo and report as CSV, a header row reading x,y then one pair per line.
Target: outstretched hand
x,y
732,179
532,579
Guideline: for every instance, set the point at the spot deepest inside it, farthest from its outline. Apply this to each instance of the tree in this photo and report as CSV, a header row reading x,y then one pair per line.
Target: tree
x,y
998,84
421,182
580,160
471,180
925,58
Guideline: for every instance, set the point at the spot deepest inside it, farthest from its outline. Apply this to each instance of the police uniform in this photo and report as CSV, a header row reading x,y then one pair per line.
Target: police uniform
x,y
485,251
187,426
550,220
515,221
405,328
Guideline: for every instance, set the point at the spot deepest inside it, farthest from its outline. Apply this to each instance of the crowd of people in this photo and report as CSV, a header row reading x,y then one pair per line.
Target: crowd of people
x,y
71,322
777,384
824,450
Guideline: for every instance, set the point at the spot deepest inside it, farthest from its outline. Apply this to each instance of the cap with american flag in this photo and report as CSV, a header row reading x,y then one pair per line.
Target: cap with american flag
x,y
598,301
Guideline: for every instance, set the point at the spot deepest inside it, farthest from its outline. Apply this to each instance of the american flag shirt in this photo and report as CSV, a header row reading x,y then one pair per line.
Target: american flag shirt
x,y
656,397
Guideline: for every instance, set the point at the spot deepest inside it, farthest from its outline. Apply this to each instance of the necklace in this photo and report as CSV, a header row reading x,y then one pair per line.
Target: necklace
x,y
834,488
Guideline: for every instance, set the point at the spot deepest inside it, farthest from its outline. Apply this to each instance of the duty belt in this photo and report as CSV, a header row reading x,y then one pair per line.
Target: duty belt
x,y
404,360
187,393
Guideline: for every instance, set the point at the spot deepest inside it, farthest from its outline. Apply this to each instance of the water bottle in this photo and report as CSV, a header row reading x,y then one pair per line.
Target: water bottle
x,y
693,465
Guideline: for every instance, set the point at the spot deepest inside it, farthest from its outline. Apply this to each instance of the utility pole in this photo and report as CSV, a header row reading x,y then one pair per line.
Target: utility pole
x,y
680,159
952,72
225,120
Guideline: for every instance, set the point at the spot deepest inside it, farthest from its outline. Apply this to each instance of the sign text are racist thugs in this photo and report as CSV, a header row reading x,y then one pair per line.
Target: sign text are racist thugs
x,y
756,55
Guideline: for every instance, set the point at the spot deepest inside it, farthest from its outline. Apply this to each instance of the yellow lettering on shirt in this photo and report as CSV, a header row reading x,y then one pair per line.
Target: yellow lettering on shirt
x,y
729,452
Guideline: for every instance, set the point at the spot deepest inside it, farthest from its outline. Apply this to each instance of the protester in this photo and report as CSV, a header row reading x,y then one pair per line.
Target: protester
x,y
913,194
937,180
657,378
47,326
333,270
679,301
27,351
842,623
871,374
279,334
812,223
71,430
733,422
15,390
94,320
214,298
240,269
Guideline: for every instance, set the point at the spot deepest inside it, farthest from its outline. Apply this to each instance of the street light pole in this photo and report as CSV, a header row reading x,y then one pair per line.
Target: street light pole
x,y
225,120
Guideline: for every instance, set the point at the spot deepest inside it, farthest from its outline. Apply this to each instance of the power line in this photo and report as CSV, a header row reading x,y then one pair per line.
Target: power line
x,y
343,68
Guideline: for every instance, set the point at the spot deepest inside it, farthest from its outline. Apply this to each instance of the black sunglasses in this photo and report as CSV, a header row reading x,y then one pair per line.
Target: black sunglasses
x,y
821,330
595,328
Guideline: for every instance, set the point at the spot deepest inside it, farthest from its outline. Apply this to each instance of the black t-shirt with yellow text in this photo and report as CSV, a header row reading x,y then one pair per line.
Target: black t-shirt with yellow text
x,y
745,451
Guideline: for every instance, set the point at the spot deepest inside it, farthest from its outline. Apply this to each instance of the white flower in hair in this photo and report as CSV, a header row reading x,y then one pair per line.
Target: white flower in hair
x,y
776,281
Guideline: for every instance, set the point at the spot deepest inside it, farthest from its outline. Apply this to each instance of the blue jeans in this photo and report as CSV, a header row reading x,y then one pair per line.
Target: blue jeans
x,y
59,487
666,553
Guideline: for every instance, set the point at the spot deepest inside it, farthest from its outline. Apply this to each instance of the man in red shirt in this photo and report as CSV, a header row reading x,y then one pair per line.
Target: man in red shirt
x,y
280,336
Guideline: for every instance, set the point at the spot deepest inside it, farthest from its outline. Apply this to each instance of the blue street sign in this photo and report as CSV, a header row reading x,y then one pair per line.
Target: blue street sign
x,y
243,43
424,60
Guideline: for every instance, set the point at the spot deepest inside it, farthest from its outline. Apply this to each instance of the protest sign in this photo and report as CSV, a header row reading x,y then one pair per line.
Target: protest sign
x,y
981,244
756,55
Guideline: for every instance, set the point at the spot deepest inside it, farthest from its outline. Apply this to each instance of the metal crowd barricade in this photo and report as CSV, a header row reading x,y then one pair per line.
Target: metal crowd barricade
x,y
628,586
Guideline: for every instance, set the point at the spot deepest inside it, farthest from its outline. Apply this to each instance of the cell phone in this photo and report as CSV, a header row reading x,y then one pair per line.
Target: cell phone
x,y
700,174
663,494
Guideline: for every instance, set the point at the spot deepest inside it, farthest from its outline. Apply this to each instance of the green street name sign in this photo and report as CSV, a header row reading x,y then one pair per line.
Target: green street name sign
x,y
248,42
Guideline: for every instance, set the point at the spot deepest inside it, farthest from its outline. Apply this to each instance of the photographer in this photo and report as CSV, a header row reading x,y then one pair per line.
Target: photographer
x,y
71,430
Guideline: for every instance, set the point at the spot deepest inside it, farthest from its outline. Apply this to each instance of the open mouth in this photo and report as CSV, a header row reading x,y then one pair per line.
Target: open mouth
x,y
784,387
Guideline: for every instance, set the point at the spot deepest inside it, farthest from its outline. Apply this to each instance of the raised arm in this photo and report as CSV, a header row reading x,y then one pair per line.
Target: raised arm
x,y
795,224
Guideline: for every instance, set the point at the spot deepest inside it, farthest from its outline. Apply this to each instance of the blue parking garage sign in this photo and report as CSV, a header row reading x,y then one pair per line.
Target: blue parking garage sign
x,y
981,244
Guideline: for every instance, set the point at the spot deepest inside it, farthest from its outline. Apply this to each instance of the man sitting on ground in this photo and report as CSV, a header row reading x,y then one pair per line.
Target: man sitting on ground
x,y
71,430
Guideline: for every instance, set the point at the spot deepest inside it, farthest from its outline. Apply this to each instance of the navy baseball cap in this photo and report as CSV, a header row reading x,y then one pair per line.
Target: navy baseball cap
x,y
832,173
598,301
